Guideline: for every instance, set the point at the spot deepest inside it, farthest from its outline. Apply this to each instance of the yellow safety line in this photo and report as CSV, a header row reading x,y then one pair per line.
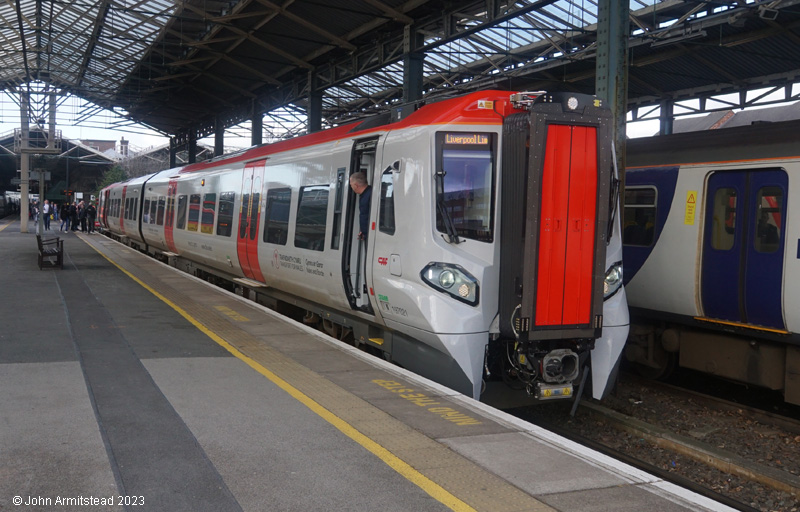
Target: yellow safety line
x,y
737,324
432,488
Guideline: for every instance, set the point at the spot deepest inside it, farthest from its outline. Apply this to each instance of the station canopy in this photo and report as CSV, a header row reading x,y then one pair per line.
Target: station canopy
x,y
191,66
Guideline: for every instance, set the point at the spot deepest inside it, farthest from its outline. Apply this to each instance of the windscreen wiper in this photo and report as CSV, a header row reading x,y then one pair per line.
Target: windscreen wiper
x,y
452,234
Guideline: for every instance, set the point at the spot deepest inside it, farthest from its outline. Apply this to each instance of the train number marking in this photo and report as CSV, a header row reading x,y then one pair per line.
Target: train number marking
x,y
423,400
383,261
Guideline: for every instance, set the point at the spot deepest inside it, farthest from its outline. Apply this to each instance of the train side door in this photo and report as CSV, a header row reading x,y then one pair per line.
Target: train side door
x,y
355,270
169,220
249,210
743,247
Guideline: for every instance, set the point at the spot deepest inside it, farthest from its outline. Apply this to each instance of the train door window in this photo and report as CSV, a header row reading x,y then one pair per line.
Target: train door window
x,y
153,206
146,212
276,218
126,215
769,205
312,217
162,202
194,212
639,216
337,206
207,216
723,230
465,184
135,209
386,217
181,221
225,220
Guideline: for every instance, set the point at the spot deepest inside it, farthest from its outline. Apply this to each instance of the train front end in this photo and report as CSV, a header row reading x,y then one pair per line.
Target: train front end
x,y
560,268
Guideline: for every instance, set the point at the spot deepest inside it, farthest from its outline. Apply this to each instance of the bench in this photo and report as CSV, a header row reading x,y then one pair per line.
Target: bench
x,y
51,249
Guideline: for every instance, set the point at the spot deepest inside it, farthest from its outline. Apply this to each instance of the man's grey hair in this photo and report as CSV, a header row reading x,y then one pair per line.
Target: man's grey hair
x,y
359,178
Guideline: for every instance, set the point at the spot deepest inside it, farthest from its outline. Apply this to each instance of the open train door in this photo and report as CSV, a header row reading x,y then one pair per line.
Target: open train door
x,y
355,268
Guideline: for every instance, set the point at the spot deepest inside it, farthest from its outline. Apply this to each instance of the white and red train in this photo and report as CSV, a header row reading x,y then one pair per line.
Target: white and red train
x,y
711,249
493,248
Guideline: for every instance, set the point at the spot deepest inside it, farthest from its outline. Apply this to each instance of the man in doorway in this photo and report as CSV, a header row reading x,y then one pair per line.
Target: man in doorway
x,y
358,182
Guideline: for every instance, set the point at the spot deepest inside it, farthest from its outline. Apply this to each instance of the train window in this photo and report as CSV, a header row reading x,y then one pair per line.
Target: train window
x,y
276,218
146,212
465,184
225,221
135,209
127,215
162,202
639,216
768,229
153,206
207,216
337,207
386,217
312,217
194,212
181,223
723,230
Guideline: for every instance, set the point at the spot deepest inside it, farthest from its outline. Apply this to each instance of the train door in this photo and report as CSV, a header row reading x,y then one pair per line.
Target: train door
x,y
249,210
354,249
742,265
169,220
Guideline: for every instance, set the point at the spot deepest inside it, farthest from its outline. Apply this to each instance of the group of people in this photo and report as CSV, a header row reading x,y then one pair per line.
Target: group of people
x,y
73,216
78,215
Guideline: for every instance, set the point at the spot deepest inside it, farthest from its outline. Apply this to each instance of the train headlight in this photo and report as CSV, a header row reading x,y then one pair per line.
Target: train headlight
x,y
447,279
452,280
613,280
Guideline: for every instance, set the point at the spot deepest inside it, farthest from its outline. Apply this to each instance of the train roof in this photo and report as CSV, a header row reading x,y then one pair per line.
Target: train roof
x,y
754,142
483,107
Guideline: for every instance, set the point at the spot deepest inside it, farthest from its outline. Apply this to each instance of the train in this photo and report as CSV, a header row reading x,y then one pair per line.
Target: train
x,y
493,248
710,249
9,203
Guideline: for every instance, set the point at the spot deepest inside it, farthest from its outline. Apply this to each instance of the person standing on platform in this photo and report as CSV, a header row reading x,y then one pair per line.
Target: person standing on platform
x,y
358,182
91,214
73,215
46,214
82,216
64,217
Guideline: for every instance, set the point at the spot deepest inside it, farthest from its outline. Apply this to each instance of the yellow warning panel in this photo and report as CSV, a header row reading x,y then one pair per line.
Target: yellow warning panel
x,y
691,207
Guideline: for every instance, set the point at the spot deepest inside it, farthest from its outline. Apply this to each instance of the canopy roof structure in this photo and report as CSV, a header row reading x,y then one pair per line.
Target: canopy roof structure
x,y
189,66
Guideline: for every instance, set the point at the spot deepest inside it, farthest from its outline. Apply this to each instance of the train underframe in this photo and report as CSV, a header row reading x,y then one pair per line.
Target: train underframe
x,y
657,348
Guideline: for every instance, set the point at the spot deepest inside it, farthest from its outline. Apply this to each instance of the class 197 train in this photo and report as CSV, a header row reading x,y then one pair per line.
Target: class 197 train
x,y
711,245
493,249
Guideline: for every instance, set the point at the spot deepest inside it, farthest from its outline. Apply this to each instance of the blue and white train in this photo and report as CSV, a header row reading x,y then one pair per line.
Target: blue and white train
x,y
711,248
493,249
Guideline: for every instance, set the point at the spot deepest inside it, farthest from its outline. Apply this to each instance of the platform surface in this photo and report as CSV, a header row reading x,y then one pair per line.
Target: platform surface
x,y
126,384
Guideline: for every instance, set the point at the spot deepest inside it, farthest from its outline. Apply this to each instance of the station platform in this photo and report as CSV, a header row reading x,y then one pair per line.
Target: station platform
x,y
126,384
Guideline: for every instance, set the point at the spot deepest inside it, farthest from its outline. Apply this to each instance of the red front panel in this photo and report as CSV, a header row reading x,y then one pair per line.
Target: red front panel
x,y
567,227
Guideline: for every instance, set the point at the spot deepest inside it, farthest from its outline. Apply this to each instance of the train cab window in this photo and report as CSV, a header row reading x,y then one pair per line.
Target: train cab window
x,y
207,215
640,216
723,230
276,217
769,207
194,212
146,212
312,217
386,216
225,220
465,170
181,221
162,202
